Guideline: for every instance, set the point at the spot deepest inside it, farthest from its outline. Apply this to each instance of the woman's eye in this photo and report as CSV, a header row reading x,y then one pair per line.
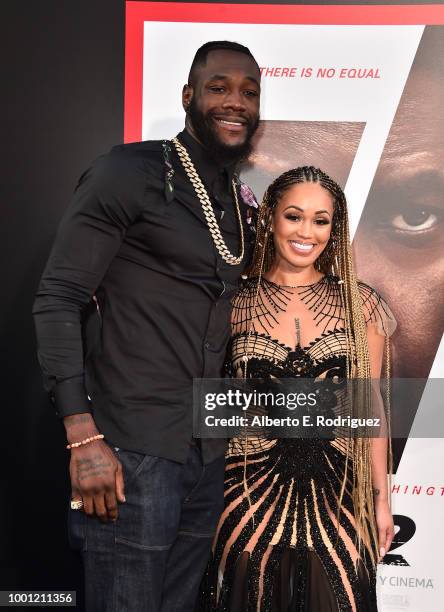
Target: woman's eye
x,y
322,221
292,217
416,220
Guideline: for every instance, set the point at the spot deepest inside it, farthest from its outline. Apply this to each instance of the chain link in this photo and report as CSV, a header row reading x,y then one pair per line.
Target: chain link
x,y
207,207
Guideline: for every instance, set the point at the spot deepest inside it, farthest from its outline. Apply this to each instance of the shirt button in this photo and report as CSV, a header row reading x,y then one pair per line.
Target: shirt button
x,y
207,345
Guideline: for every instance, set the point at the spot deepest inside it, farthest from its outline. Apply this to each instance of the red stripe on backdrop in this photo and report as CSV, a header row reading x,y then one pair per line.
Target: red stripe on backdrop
x,y
132,113
139,12
430,14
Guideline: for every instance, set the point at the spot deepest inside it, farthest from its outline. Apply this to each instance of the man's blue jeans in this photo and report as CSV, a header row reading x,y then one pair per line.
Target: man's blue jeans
x,y
153,557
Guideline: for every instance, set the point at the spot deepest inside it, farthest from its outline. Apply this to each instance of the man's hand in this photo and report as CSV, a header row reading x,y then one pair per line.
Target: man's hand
x,y
96,473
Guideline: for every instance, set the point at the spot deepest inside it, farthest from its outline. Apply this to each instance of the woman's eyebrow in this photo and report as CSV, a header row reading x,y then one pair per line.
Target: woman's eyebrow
x,y
318,212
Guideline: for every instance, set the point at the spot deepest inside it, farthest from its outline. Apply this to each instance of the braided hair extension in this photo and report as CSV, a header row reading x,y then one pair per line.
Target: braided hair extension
x,y
336,259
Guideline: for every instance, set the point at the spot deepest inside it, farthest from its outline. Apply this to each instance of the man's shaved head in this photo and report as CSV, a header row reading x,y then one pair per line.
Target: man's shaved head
x,y
200,59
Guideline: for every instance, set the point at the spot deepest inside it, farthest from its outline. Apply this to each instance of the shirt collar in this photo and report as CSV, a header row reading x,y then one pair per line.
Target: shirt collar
x,y
206,166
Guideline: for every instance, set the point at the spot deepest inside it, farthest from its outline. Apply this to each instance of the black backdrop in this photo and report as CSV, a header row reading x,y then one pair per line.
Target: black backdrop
x,y
63,79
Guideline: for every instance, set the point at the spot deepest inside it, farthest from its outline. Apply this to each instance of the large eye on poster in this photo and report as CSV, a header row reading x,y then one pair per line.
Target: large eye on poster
x,y
359,92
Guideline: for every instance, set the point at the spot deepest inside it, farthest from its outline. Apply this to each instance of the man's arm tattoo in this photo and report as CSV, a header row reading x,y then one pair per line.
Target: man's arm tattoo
x,y
78,419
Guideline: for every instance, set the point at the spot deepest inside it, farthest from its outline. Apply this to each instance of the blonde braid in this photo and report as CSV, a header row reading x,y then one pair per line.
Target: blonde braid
x,y
262,257
358,368
263,253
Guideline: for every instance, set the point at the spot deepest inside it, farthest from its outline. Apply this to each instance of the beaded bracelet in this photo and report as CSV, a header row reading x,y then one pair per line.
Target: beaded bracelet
x,y
85,441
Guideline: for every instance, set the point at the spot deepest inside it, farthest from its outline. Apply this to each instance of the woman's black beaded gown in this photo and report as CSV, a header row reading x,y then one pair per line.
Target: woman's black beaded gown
x,y
277,547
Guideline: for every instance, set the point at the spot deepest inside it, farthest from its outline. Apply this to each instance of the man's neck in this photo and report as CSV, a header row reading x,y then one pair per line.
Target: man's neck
x,y
229,164
189,130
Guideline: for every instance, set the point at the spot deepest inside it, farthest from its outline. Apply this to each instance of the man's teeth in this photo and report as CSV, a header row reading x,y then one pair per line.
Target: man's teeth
x,y
304,247
229,122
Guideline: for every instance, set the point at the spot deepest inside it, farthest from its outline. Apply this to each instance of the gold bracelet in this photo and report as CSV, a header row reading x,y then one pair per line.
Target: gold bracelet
x,y
85,441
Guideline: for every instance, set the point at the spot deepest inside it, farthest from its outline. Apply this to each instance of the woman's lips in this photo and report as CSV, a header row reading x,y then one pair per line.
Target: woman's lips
x,y
302,248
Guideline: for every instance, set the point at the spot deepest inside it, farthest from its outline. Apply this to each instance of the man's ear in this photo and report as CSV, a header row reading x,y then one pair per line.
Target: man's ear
x,y
187,96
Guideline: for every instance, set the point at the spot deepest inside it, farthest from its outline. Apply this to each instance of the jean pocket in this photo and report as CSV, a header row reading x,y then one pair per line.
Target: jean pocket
x,y
132,464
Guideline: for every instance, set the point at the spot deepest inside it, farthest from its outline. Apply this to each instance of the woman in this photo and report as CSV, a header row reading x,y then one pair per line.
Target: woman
x,y
305,520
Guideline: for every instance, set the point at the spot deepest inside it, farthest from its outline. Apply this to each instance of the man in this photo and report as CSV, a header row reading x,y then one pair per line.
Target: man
x,y
134,304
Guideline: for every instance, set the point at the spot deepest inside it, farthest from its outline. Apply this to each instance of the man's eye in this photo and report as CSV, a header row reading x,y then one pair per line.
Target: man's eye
x,y
416,220
216,89
251,94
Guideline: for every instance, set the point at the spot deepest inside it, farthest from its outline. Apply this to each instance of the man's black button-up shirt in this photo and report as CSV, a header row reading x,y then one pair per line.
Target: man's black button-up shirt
x,y
135,300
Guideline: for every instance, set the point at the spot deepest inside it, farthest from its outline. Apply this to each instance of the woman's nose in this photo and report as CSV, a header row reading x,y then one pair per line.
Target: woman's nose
x,y
304,229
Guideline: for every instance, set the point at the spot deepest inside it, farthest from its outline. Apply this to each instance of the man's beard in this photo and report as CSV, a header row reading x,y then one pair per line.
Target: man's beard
x,y
205,131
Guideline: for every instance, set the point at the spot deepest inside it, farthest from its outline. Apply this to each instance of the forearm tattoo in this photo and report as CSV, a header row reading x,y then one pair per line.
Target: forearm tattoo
x,y
78,419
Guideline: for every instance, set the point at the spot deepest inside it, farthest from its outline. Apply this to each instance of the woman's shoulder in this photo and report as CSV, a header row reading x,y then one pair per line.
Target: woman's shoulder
x,y
371,298
243,304
376,310
247,289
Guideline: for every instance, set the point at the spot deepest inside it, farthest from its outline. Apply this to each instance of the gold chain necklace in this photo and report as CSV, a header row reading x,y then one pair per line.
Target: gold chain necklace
x,y
207,207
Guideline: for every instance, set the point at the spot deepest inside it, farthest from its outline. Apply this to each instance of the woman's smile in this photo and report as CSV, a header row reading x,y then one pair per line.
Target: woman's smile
x,y
302,248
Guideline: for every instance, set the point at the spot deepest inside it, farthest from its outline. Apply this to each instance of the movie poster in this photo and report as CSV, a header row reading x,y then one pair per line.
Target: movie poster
x,y
360,94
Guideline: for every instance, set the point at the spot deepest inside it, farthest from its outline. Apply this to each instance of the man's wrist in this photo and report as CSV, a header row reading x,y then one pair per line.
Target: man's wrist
x,y
70,397
79,426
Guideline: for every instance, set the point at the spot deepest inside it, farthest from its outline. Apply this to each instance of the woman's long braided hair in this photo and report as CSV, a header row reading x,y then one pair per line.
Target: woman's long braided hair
x,y
336,259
